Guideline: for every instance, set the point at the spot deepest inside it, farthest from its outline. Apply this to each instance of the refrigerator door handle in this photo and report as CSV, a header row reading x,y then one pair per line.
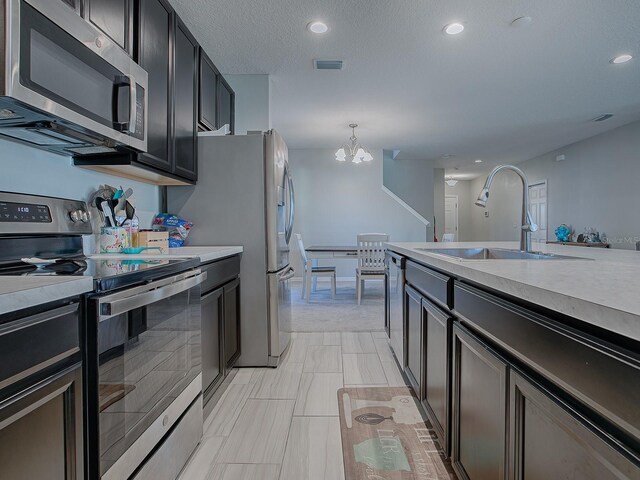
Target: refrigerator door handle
x,y
289,274
292,203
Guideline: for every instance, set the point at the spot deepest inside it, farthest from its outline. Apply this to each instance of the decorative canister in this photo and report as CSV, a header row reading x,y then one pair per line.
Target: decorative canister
x,y
113,239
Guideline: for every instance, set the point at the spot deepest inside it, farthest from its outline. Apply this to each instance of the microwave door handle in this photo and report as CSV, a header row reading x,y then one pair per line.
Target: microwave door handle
x,y
117,304
133,104
126,80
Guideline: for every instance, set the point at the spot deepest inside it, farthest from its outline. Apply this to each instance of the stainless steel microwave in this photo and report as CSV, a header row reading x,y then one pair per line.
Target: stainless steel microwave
x,y
66,86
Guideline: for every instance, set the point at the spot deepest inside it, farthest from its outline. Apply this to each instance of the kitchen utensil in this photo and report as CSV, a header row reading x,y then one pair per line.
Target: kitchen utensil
x,y
130,212
108,213
128,192
99,201
119,193
136,250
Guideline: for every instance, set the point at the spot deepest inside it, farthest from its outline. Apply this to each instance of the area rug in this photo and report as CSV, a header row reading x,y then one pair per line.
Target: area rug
x,y
385,437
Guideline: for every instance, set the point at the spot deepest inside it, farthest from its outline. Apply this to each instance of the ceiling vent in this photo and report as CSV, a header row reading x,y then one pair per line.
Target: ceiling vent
x,y
602,118
328,64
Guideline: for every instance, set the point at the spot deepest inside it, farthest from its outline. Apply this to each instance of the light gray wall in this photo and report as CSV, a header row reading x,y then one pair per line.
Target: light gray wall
x,y
597,185
252,102
26,169
412,181
337,200
438,201
465,203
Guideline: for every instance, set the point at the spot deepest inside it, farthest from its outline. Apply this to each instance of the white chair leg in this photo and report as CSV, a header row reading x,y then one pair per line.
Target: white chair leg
x,y
304,283
333,285
309,275
359,288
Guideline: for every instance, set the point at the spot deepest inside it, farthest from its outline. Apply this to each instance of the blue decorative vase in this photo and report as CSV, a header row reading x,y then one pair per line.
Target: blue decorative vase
x,y
563,233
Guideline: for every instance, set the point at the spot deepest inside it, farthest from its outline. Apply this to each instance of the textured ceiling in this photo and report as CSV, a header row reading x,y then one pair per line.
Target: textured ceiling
x,y
495,92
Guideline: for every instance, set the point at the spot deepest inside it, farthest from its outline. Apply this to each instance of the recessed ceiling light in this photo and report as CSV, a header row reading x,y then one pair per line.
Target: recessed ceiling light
x,y
621,59
453,28
317,27
478,161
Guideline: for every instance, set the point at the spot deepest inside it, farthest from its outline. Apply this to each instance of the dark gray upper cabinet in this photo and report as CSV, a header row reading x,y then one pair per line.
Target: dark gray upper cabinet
x,y
155,31
185,103
208,98
479,432
74,4
114,18
226,105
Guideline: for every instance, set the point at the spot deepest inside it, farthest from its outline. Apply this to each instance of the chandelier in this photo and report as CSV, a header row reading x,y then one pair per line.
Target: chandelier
x,y
353,151
451,181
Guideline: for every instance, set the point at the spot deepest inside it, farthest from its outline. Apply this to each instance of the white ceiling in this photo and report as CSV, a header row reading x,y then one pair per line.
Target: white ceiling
x,y
495,92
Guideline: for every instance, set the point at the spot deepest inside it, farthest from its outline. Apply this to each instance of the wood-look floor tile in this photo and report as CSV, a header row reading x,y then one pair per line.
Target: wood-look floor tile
x,y
357,342
247,471
383,349
221,419
363,369
277,383
332,338
318,394
202,461
379,335
392,372
314,450
309,338
322,358
243,376
260,434
296,353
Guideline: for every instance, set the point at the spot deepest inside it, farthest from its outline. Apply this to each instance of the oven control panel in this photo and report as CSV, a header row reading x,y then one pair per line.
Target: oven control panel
x,y
24,212
34,214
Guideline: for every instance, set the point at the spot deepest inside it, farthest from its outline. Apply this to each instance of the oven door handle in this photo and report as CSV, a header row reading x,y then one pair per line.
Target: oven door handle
x,y
121,302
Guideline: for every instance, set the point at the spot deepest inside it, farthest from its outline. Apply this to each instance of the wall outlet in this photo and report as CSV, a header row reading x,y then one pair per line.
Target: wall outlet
x,y
486,214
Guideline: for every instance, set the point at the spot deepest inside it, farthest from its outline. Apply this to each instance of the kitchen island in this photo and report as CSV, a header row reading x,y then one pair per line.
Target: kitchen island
x,y
535,359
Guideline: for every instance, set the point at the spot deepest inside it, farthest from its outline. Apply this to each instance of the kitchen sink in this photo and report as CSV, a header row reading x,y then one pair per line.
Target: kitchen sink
x,y
496,254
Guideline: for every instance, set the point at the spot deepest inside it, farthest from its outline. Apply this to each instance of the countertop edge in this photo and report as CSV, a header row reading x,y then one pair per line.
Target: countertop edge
x,y
606,317
36,295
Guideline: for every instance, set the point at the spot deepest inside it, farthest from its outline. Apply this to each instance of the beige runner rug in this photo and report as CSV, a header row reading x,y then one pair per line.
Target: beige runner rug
x,y
384,436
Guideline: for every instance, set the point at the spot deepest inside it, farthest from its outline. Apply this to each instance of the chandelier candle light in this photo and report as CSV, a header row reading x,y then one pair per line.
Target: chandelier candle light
x,y
353,151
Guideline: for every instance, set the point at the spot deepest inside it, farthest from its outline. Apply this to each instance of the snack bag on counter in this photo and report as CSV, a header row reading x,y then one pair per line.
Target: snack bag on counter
x,y
177,227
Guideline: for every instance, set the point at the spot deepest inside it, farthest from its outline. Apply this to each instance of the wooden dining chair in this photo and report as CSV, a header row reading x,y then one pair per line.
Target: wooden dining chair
x,y
309,271
371,252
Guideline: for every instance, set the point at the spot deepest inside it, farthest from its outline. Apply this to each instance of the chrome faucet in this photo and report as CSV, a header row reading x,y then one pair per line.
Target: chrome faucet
x,y
527,223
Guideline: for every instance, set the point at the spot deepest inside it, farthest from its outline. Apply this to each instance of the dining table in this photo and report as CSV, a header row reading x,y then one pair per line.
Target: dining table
x,y
324,252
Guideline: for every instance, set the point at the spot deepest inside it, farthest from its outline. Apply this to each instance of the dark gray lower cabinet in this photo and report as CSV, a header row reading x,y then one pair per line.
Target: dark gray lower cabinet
x,y
220,306
548,441
231,322
479,423
436,399
413,309
212,315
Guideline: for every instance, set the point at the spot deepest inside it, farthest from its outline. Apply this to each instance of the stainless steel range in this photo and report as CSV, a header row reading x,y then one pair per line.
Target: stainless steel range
x,y
141,339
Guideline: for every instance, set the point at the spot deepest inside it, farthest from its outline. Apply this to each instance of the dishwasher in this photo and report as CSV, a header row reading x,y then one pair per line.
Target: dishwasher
x,y
394,308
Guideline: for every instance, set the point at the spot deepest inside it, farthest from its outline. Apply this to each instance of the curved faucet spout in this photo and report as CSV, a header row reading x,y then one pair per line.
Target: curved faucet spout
x,y
528,225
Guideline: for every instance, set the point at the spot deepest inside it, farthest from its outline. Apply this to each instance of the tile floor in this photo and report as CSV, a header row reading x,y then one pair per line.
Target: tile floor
x,y
283,424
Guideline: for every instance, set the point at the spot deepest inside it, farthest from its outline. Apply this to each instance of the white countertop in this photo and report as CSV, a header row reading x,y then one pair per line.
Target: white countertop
x,y
603,290
205,253
21,292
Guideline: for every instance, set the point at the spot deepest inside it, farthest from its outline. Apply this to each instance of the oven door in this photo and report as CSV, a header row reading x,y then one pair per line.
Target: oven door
x,y
148,345
62,67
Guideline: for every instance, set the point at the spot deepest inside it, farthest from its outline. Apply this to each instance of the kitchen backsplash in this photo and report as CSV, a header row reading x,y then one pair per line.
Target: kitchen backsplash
x,y
25,169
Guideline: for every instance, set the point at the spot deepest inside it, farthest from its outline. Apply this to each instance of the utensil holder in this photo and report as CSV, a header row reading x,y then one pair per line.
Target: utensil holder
x,y
113,239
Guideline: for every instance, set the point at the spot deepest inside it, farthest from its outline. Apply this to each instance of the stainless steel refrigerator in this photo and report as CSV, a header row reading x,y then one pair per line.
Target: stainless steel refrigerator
x,y
244,196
